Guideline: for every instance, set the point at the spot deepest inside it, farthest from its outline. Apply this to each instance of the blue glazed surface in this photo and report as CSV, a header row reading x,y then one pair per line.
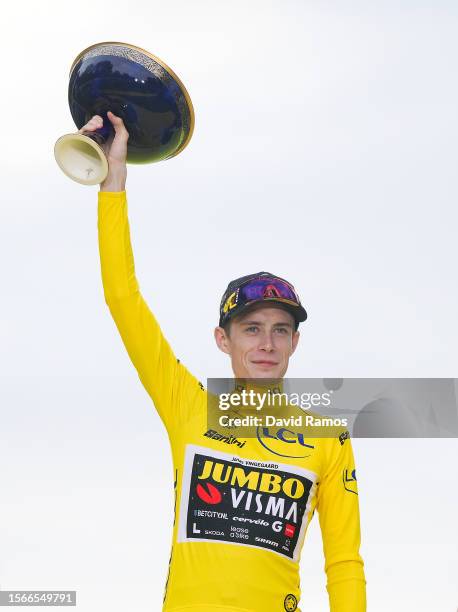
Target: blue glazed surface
x,y
152,105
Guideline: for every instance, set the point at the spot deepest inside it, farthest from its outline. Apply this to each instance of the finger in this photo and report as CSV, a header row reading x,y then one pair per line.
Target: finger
x,y
95,123
117,122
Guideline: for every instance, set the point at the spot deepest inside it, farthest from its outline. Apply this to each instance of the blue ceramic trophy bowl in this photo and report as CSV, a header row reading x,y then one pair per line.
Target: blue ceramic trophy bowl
x,y
138,87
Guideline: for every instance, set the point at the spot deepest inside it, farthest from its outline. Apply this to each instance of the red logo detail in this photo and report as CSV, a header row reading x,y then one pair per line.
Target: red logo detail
x,y
289,530
271,291
212,496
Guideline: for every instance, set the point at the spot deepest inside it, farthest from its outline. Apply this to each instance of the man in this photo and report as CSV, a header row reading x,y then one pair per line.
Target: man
x,y
242,507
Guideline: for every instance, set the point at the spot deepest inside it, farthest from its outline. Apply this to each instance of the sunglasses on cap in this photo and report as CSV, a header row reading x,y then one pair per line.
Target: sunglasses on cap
x,y
259,290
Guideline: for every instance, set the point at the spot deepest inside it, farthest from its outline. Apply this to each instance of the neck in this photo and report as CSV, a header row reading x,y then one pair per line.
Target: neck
x,y
259,384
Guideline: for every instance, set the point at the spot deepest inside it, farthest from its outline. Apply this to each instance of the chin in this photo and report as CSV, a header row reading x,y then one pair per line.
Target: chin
x,y
263,373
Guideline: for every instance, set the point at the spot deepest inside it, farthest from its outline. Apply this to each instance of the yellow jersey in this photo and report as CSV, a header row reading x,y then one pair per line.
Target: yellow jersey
x,y
242,506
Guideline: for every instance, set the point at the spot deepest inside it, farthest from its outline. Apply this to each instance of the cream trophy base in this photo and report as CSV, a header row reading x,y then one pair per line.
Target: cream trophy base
x,y
81,159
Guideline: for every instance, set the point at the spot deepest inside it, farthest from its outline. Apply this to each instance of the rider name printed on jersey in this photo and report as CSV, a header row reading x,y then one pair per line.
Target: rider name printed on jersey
x,y
226,498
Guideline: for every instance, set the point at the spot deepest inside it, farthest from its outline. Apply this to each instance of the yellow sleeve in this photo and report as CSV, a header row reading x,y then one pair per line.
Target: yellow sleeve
x,y
338,508
165,379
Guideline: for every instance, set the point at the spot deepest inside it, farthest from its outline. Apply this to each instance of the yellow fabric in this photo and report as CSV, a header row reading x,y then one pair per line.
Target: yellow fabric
x,y
256,482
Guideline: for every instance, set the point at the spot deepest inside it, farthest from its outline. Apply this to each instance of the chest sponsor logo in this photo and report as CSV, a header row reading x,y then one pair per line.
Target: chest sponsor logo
x,y
229,499
284,442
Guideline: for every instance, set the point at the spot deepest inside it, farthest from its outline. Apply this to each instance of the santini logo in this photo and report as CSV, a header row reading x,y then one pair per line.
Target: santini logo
x,y
214,435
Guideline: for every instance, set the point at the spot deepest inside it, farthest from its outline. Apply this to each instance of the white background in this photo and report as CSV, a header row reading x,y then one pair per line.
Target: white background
x,y
325,151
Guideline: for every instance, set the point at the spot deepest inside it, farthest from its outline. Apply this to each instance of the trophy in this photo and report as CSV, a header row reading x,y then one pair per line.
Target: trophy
x,y
134,85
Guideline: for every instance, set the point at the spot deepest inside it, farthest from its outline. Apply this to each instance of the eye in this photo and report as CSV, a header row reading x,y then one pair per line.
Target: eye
x,y
282,330
252,328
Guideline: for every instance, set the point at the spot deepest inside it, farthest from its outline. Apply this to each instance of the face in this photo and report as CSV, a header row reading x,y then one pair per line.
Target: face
x,y
260,342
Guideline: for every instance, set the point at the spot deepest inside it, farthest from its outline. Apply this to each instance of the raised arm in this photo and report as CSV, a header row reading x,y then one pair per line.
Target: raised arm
x,y
338,509
162,375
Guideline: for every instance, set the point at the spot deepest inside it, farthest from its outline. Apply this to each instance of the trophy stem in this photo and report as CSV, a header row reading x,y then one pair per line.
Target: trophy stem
x,y
104,135
81,156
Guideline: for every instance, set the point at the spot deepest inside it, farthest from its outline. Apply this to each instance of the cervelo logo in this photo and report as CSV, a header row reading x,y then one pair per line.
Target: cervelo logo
x,y
287,436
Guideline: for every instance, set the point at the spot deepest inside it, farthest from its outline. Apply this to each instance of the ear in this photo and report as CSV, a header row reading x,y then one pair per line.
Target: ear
x,y
295,340
222,340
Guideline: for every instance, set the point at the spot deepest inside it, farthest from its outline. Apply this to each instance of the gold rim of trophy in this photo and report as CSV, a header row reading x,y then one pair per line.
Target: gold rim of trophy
x,y
167,68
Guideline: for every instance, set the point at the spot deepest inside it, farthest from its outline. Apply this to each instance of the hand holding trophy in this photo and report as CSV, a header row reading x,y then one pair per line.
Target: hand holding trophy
x,y
140,91
115,151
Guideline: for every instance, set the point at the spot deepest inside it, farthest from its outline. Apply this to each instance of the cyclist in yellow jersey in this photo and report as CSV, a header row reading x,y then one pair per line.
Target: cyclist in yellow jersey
x,y
242,506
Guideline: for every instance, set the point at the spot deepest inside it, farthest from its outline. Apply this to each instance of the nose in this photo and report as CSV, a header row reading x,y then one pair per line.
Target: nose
x,y
267,343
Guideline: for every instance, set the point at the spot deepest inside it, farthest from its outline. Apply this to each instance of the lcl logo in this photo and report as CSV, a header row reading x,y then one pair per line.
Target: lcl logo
x,y
295,440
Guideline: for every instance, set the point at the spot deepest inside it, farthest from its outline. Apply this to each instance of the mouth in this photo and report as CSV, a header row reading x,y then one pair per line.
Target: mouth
x,y
265,363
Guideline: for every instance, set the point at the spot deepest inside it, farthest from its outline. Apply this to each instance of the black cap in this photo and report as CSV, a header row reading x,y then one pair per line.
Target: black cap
x,y
260,287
